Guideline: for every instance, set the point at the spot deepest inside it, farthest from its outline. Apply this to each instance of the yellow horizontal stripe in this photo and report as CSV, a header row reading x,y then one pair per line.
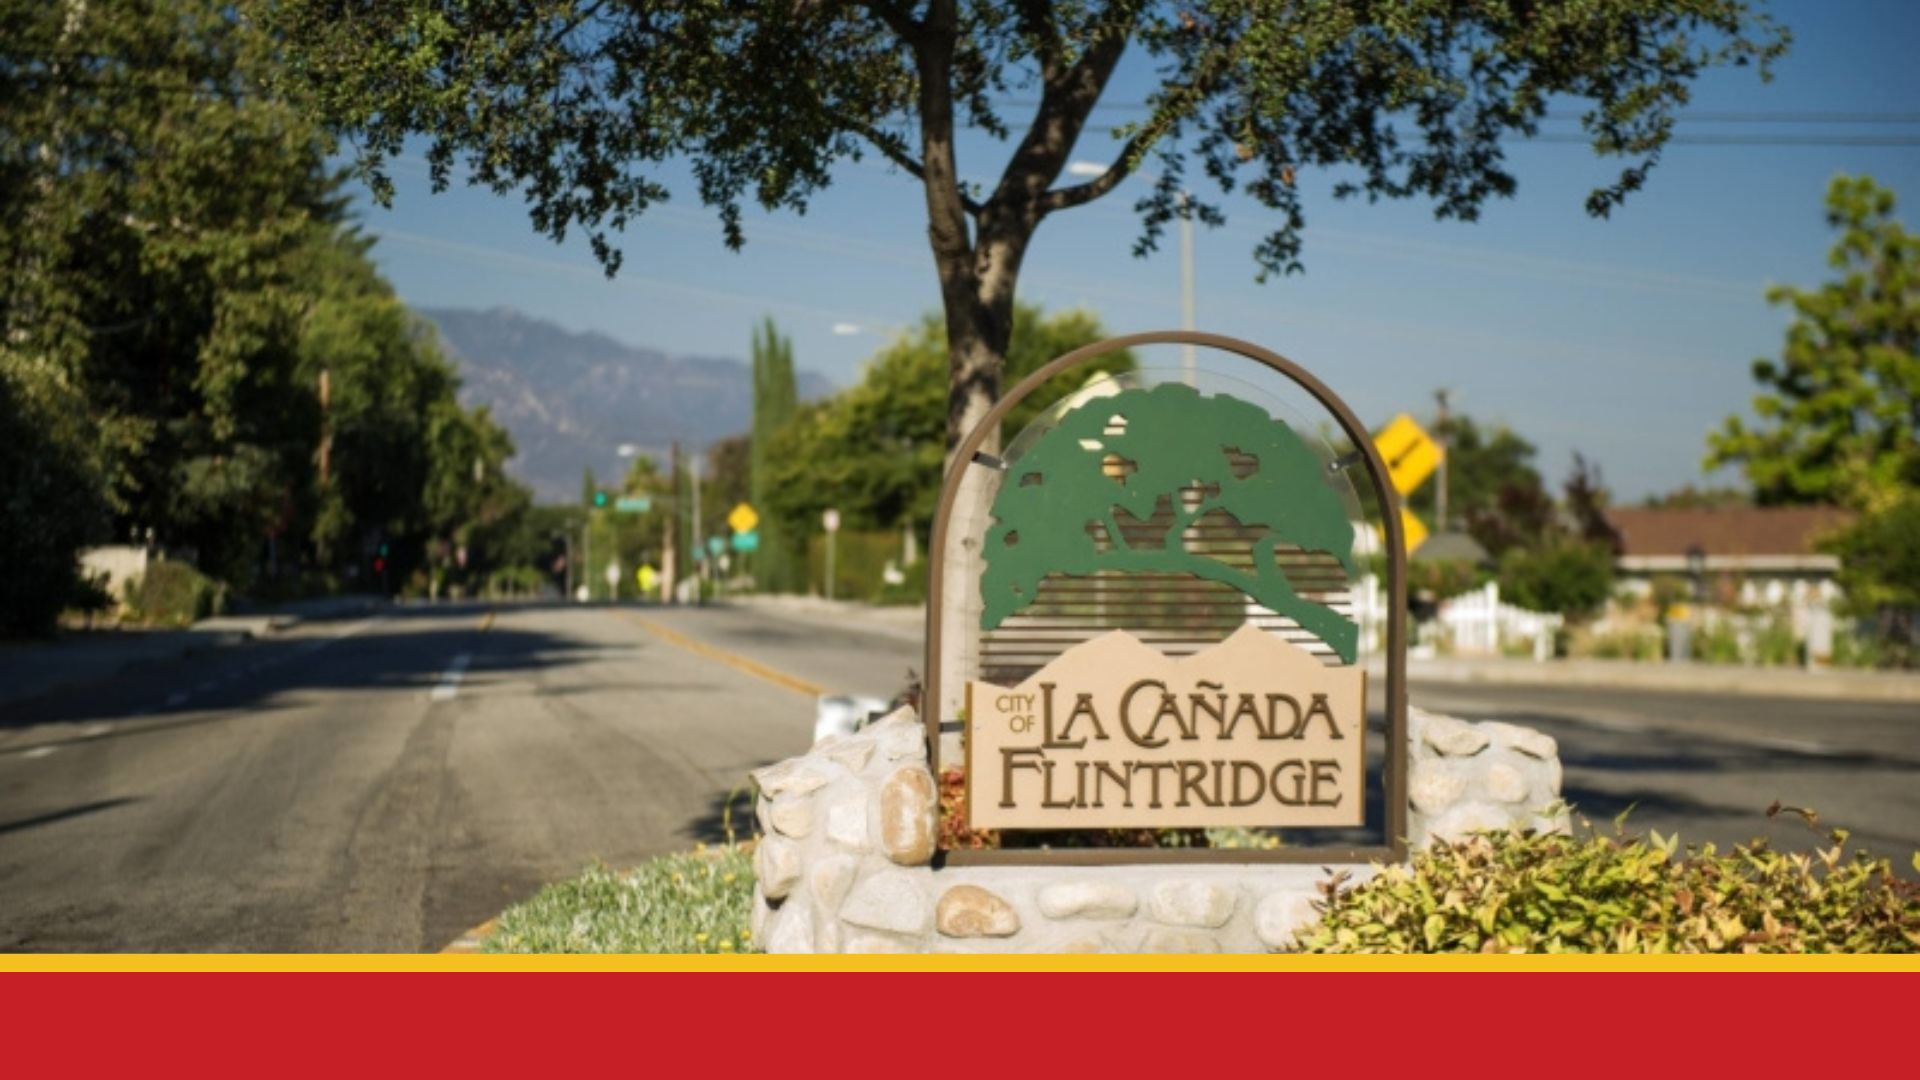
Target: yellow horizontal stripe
x,y
731,659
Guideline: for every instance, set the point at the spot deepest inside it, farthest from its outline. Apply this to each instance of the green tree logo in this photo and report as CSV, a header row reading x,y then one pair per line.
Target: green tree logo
x,y
1132,455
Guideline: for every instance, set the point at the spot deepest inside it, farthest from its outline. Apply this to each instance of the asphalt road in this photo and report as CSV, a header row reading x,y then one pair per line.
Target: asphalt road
x,y
386,783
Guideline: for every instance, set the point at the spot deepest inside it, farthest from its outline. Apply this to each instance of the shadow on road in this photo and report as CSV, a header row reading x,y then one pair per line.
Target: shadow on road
x,y
258,677
49,818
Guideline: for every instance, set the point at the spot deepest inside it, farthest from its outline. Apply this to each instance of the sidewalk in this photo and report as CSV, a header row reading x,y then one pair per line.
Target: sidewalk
x,y
1683,678
31,668
908,624
905,623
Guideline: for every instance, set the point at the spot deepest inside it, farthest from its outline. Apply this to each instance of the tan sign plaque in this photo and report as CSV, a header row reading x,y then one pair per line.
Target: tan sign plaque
x,y
1112,733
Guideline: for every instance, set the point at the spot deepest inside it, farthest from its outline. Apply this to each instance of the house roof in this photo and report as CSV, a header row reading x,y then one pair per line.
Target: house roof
x,y
1451,547
1739,531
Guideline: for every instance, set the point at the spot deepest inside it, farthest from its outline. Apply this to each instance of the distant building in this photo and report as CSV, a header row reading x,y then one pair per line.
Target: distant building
x,y
1744,555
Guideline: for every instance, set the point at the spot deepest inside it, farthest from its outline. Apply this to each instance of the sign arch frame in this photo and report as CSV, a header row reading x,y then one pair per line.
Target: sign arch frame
x,y
1394,780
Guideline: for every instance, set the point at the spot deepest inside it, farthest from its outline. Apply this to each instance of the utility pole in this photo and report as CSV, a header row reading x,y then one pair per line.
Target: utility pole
x,y
1442,433
700,556
669,545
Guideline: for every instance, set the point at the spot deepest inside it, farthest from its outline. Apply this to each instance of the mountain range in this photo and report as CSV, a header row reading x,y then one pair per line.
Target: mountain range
x,y
572,399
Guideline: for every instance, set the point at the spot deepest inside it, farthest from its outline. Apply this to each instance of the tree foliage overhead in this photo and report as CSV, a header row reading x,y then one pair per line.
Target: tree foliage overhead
x,y
1087,472
579,104
1840,412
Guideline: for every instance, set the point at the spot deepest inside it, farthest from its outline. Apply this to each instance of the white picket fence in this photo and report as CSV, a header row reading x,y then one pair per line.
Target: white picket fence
x,y
1477,623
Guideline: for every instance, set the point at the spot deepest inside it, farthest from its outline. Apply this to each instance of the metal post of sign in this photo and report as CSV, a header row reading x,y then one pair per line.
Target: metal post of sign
x,y
699,564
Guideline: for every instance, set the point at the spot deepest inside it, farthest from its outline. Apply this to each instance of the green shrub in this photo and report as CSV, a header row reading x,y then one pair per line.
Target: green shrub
x,y
692,902
1526,892
1718,643
1775,645
1855,650
908,593
1568,576
174,594
1624,644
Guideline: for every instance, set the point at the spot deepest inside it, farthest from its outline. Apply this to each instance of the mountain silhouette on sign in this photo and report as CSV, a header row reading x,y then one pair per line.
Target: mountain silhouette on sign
x,y
1119,481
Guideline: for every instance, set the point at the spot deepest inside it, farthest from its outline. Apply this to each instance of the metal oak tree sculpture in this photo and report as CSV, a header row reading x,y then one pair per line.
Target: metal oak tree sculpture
x,y
1134,454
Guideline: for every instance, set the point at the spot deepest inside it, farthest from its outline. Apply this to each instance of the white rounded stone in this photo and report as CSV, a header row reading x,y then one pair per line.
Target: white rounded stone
x,y
1503,783
851,756
908,802
776,864
829,879
1087,900
792,816
1451,737
1180,941
794,776
1553,776
847,821
1191,903
1526,740
971,911
1434,785
791,932
1281,915
1469,818
890,900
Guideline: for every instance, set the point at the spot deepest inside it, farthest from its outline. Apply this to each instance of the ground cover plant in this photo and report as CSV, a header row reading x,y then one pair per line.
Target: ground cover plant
x,y
689,902
1619,893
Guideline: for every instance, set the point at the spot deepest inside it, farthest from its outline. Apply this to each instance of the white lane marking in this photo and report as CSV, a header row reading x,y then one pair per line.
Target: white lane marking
x,y
450,682
176,700
1797,746
94,731
38,752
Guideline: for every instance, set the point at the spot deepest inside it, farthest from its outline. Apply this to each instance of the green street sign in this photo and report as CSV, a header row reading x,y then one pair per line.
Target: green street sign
x,y
746,541
633,504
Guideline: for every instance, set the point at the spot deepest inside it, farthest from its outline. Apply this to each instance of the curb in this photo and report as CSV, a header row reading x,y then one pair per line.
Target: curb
x,y
473,941
1723,680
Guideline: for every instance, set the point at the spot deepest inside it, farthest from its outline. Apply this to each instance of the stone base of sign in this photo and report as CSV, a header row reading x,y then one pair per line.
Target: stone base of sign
x,y
844,864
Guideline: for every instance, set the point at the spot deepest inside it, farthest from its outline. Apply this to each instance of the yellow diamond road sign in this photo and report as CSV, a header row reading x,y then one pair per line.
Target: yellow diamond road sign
x,y
1410,453
1412,529
742,519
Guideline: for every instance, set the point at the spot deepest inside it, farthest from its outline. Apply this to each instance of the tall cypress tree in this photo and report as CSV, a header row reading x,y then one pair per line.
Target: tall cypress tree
x,y
774,401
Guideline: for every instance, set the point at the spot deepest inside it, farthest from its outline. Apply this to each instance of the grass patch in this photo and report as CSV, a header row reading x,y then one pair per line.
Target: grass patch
x,y
692,902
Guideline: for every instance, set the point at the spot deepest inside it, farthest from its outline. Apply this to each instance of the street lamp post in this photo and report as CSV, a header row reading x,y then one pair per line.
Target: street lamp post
x,y
1189,363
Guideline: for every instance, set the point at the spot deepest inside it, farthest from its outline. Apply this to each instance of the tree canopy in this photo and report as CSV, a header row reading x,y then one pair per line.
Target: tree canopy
x,y
1839,415
179,273
580,105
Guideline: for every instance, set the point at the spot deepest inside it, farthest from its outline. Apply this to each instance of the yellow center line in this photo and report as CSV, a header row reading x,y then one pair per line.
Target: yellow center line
x,y
731,659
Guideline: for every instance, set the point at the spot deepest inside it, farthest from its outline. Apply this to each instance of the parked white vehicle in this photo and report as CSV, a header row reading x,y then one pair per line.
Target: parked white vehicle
x,y
842,714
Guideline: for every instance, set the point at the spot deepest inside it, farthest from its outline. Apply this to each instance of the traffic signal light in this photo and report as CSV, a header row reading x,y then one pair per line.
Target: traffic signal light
x,y
379,565
383,549
599,500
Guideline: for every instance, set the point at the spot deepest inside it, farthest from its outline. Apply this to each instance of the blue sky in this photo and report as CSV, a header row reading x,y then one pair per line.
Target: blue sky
x,y
1626,338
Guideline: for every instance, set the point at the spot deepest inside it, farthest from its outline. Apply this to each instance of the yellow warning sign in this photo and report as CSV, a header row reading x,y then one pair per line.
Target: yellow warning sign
x,y
742,519
1410,453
